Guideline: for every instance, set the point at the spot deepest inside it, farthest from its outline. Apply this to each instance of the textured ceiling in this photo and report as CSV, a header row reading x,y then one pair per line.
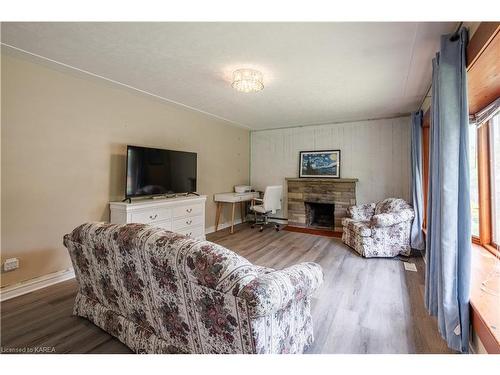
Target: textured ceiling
x,y
314,73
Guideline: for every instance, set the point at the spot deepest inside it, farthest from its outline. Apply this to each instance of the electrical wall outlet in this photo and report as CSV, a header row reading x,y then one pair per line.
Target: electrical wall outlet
x,y
10,264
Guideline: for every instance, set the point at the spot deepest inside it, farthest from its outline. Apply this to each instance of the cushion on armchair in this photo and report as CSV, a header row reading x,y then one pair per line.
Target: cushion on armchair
x,y
361,212
392,218
390,205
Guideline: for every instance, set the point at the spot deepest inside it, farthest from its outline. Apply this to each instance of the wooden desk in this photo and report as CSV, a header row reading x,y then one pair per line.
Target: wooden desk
x,y
233,198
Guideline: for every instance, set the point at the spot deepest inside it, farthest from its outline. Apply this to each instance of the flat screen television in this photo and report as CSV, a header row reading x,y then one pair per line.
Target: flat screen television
x,y
153,171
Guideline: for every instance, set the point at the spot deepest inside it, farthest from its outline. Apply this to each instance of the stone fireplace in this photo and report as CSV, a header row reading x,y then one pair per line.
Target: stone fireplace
x,y
320,203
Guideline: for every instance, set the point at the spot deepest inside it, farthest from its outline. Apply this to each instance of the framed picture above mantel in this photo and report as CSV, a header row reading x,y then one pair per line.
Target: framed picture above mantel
x,y
319,164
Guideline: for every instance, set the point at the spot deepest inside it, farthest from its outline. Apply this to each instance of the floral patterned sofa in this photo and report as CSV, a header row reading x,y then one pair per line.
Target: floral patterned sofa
x,y
379,229
162,292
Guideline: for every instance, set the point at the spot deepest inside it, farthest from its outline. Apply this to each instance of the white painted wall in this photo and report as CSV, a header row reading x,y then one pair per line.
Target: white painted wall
x,y
377,152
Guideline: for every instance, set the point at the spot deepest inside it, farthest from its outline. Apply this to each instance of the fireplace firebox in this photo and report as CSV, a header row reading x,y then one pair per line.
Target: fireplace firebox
x,y
320,215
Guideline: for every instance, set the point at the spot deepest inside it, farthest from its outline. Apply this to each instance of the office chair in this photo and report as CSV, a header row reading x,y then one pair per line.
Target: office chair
x,y
267,205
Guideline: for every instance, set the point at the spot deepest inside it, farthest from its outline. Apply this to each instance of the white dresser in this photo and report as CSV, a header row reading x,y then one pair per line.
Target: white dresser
x,y
185,215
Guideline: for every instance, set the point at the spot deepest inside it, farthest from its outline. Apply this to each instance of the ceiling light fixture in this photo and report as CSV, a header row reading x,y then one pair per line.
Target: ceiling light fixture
x,y
247,80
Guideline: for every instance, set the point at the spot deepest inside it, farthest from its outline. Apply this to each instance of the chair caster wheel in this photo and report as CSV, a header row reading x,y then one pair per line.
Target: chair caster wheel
x,y
252,226
261,229
277,229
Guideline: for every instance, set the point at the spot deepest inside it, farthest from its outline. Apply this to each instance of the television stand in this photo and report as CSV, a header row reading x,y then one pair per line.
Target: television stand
x,y
127,199
194,193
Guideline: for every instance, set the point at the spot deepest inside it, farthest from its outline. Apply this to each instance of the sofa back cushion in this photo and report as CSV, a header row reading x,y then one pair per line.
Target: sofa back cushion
x,y
145,273
390,205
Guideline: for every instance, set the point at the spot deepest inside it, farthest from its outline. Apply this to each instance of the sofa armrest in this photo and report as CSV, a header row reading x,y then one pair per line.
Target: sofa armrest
x,y
361,212
276,290
392,218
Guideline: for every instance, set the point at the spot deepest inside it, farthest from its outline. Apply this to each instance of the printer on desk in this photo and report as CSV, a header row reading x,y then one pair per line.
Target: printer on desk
x,y
242,189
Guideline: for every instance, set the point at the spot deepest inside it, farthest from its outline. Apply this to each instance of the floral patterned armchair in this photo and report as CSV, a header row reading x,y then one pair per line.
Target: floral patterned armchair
x,y
379,230
162,292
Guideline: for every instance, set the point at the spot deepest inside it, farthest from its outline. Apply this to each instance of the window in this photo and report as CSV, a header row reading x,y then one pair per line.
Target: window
x,y
494,126
474,180
485,188
484,158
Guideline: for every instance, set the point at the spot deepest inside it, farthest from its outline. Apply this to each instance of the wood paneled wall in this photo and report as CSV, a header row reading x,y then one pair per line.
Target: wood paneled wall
x,y
375,151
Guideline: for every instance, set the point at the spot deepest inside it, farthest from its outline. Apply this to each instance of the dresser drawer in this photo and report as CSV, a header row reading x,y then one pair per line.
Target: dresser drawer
x,y
151,216
188,210
196,232
167,225
187,222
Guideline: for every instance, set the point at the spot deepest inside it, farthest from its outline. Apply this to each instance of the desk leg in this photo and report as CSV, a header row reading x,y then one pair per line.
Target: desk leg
x,y
232,219
242,211
217,215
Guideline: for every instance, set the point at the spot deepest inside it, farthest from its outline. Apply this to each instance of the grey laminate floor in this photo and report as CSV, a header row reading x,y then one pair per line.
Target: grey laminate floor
x,y
364,305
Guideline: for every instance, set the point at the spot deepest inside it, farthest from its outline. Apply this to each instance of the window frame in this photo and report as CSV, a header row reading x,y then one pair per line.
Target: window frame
x,y
483,89
484,183
476,238
488,241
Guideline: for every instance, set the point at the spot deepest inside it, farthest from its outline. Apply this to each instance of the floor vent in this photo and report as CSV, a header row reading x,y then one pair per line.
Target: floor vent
x,y
410,266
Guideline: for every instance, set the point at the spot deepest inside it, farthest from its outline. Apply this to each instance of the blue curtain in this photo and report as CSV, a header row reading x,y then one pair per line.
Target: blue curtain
x,y
417,236
447,282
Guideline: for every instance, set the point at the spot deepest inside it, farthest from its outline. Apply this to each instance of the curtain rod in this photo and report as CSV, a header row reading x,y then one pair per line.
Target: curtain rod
x,y
452,37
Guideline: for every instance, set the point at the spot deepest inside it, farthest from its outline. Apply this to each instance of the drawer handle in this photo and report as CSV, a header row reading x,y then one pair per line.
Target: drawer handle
x,y
153,217
188,222
188,210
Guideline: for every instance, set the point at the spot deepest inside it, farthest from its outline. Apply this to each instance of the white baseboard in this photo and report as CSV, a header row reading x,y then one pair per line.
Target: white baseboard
x,y
29,286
